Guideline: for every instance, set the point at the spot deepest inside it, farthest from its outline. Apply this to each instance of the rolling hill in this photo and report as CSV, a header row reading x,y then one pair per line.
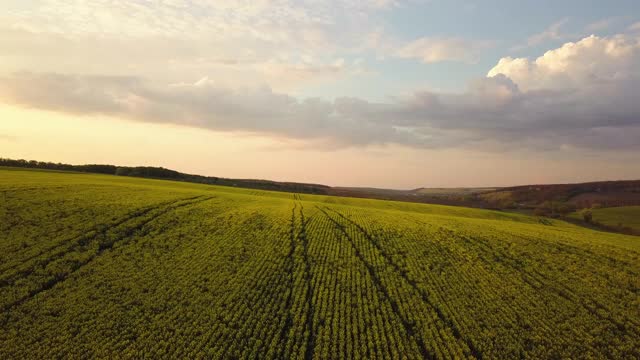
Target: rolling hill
x,y
583,195
623,219
118,267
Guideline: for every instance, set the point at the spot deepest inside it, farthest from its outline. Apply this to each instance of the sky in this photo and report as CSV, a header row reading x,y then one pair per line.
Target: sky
x,y
377,93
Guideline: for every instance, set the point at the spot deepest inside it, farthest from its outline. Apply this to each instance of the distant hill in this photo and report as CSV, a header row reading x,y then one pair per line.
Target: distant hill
x,y
570,196
624,219
167,174
441,196
575,196
583,195
453,191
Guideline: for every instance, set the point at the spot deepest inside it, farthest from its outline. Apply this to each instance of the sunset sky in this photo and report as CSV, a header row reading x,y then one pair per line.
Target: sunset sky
x,y
383,93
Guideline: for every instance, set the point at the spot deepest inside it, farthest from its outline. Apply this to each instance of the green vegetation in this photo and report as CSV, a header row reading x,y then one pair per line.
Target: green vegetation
x,y
553,209
453,191
624,218
167,174
107,266
576,196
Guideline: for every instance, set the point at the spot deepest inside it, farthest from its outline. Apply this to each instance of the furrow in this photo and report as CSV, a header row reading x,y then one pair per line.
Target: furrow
x,y
102,248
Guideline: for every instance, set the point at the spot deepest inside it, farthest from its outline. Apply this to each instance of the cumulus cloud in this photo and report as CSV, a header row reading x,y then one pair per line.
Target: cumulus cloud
x,y
581,95
590,61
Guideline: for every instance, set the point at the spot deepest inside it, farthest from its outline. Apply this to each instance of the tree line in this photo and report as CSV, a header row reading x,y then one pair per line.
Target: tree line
x,y
168,174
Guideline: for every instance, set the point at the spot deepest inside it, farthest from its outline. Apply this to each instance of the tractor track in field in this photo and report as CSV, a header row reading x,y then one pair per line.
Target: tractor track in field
x,y
25,189
426,297
408,326
162,210
297,239
538,280
302,236
533,276
289,268
91,233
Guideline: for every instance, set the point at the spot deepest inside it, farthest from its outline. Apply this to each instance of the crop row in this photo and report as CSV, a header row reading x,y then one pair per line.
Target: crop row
x,y
240,275
517,310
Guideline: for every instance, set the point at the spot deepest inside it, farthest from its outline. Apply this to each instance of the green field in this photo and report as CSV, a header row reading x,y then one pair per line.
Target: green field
x,y
616,217
453,191
113,267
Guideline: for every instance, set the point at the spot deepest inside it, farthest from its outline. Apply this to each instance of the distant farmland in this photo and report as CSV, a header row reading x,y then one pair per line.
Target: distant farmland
x,y
453,191
118,267
624,218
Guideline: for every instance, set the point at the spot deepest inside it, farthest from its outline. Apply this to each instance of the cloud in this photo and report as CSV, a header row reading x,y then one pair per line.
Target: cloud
x,y
239,22
553,32
590,61
433,50
201,104
282,43
171,60
602,24
635,26
581,95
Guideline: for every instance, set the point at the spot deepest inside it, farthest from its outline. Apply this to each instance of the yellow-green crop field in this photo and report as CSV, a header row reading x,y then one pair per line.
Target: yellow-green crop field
x,y
96,266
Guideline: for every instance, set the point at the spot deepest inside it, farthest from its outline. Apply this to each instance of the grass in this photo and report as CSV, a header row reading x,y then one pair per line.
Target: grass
x,y
105,266
616,217
453,191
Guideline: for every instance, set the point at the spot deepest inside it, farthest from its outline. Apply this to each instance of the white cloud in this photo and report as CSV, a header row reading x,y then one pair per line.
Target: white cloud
x,y
553,32
635,26
282,43
602,24
433,50
265,20
582,94
591,60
